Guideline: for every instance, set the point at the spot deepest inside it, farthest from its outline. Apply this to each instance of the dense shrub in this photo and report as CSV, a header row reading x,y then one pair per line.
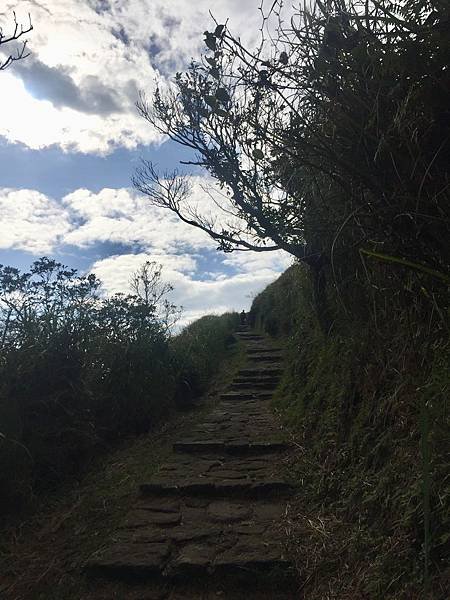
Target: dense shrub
x,y
369,402
77,371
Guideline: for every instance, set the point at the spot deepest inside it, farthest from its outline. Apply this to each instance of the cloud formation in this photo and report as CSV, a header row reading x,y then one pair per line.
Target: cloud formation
x,y
57,86
31,221
90,59
115,216
125,217
197,297
204,281
77,92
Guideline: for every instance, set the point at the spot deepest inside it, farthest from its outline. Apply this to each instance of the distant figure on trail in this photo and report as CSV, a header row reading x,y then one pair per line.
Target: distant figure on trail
x,y
243,317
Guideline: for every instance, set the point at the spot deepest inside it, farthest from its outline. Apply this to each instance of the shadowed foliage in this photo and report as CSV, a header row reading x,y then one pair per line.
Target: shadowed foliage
x,y
78,371
368,407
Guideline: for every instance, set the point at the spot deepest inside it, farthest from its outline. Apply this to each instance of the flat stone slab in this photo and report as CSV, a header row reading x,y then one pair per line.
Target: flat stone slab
x,y
246,426
132,559
245,335
258,349
267,385
226,487
210,538
242,447
257,376
209,474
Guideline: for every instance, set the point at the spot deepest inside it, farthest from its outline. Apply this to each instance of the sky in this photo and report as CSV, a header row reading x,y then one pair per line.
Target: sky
x,y
71,138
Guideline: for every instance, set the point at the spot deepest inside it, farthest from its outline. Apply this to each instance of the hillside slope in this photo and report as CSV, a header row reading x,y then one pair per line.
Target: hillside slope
x,y
366,405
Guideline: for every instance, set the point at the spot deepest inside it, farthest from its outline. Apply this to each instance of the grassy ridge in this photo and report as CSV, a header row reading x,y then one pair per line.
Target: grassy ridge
x,y
197,352
367,404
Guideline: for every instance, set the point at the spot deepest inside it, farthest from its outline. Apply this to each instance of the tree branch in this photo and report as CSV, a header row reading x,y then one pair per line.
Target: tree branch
x,y
16,35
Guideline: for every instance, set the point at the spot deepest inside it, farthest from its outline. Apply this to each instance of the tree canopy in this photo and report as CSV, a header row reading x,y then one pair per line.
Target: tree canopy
x,y
328,137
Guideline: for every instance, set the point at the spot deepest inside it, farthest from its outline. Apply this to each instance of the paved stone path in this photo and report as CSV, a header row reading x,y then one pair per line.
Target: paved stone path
x,y
216,506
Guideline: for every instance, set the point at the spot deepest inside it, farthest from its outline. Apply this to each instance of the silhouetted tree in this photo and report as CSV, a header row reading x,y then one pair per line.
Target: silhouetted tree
x,y
327,141
147,285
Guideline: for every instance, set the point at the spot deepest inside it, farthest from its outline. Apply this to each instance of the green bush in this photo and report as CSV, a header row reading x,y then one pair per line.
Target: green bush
x,y
78,371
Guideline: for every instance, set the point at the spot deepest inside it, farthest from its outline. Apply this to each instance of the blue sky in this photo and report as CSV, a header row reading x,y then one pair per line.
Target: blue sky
x,y
70,139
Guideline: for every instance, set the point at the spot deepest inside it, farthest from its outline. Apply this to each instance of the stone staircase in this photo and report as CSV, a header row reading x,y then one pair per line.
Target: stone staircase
x,y
215,508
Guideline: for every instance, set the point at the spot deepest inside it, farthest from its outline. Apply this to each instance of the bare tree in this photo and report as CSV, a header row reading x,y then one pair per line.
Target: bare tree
x,y
146,283
21,48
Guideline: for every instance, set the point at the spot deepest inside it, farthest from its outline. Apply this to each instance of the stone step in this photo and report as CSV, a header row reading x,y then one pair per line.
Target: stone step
x,y
268,385
272,358
234,429
231,414
219,488
260,350
247,411
261,371
243,447
172,538
247,395
214,475
215,509
257,378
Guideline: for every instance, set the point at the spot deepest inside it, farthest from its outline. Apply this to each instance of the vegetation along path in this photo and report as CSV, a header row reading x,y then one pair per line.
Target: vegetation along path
x,y
215,509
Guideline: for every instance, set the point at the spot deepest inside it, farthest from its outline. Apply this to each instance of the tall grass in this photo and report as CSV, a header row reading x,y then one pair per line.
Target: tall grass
x,y
369,402
198,350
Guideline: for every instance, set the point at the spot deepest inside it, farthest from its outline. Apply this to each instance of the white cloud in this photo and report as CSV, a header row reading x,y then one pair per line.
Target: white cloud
x,y
120,216
89,60
77,91
40,225
115,271
31,221
124,216
211,296
38,124
249,262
